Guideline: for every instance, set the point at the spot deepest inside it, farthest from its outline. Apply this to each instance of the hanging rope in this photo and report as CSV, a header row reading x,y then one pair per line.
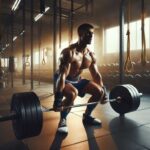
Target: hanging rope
x,y
143,52
43,59
27,63
128,67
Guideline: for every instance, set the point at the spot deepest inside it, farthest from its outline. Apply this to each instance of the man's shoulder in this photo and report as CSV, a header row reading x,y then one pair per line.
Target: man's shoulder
x,y
69,50
66,52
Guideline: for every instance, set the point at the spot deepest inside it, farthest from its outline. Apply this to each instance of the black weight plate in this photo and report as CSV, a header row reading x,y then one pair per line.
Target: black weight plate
x,y
129,90
126,103
17,124
36,115
133,96
30,115
136,101
24,119
28,119
136,98
39,117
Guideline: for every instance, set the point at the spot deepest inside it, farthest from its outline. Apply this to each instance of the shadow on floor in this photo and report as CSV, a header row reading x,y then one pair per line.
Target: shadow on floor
x,y
56,144
91,137
14,145
121,129
122,123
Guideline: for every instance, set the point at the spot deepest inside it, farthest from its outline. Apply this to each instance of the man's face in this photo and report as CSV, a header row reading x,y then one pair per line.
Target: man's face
x,y
86,37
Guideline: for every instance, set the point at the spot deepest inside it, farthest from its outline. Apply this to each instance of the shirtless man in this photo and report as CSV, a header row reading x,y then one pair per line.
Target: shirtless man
x,y
73,60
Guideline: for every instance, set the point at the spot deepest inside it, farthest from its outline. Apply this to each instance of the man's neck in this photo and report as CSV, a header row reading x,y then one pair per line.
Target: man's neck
x,y
81,46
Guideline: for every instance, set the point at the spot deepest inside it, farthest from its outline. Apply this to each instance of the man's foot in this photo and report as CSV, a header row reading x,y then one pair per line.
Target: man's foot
x,y
62,127
89,120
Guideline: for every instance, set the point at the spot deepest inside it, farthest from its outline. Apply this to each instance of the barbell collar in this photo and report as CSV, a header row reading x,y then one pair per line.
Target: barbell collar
x,y
140,94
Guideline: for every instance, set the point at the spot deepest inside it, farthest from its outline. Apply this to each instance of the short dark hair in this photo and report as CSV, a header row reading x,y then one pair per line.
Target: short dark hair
x,y
84,27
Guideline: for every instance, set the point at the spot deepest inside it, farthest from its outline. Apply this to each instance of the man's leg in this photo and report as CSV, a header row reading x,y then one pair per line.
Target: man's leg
x,y
70,94
96,91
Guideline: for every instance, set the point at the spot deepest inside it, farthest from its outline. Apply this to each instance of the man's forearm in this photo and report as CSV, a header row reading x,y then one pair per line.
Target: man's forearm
x,y
98,79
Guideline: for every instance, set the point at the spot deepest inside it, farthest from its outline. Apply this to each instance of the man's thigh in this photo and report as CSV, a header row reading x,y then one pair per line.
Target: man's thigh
x,y
92,88
69,89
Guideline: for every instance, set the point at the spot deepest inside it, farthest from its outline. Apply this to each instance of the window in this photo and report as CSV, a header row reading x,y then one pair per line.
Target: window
x,y
4,62
15,62
112,36
36,58
147,31
112,39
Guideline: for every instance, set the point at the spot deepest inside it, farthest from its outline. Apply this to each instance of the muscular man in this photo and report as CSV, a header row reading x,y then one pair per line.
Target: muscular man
x,y
69,84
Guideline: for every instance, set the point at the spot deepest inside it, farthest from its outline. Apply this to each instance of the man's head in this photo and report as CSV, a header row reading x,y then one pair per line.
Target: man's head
x,y
85,32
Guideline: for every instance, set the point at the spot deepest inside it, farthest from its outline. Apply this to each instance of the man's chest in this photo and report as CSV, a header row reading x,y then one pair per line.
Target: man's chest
x,y
82,60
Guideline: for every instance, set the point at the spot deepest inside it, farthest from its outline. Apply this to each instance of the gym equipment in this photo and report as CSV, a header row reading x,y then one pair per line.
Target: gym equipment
x,y
130,98
27,113
128,66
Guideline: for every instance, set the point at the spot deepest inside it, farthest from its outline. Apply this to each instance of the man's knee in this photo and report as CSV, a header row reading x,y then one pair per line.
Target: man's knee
x,y
71,95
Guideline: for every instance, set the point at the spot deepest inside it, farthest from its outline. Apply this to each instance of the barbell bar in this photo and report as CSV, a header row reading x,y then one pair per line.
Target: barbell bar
x,y
44,109
13,115
27,114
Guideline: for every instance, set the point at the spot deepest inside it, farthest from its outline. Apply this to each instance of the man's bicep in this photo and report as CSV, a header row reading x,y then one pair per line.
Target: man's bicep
x,y
65,61
64,68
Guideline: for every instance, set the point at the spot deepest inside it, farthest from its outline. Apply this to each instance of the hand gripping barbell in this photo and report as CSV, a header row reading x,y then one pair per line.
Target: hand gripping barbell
x,y
27,117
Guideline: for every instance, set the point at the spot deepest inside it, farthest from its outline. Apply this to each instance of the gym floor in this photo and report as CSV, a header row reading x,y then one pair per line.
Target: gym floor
x,y
131,132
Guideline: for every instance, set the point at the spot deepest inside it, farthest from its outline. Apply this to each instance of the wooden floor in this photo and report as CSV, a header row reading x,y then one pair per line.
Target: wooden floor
x,y
129,133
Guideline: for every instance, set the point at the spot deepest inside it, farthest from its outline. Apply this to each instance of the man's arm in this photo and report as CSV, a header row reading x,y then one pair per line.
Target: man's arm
x,y
97,78
64,68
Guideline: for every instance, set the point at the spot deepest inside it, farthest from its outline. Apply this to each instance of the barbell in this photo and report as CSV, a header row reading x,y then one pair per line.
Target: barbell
x,y
26,112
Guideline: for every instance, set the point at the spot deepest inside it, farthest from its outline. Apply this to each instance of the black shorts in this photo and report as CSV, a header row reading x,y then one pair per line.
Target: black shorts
x,y
79,84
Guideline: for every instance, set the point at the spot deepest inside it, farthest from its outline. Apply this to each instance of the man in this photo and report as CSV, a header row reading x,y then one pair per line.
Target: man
x,y
73,60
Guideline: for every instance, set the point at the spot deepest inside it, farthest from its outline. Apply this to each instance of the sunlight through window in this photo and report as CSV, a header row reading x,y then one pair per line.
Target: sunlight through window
x,y
112,37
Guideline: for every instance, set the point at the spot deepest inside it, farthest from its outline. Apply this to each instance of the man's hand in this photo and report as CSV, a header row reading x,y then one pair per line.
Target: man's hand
x,y
58,101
